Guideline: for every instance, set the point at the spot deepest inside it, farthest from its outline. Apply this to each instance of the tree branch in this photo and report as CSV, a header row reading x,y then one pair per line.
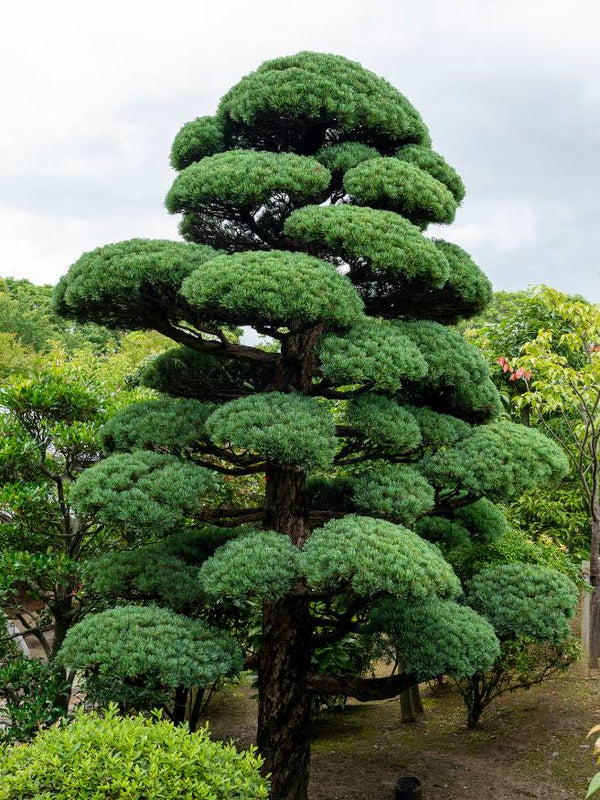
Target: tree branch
x,y
363,689
216,349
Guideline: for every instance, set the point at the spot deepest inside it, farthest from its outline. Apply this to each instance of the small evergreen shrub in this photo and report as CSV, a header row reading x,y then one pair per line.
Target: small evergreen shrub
x,y
108,757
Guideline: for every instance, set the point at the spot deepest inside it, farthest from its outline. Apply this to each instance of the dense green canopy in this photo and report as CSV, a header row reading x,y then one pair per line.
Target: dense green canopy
x,y
355,443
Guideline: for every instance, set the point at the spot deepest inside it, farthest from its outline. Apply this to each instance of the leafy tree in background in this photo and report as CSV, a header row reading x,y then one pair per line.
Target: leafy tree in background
x,y
564,394
501,331
305,200
26,312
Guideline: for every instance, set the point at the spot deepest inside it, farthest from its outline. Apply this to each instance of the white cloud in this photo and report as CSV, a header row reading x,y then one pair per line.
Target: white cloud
x,y
97,91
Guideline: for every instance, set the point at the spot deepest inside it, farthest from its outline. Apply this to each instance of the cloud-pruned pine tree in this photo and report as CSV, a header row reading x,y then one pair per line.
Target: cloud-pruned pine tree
x,y
314,184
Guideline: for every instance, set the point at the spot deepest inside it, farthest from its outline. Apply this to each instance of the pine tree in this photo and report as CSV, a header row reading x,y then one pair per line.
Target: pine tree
x,y
304,203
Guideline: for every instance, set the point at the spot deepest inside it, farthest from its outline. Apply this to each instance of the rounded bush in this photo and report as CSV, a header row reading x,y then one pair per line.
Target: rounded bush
x,y
383,422
373,556
245,179
166,424
371,352
339,158
395,491
104,757
197,139
399,186
256,564
132,284
438,637
137,655
378,245
277,289
291,103
184,372
286,429
147,491
436,165
525,600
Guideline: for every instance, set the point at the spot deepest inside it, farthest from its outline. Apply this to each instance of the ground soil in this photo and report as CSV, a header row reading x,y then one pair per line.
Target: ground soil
x,y
529,744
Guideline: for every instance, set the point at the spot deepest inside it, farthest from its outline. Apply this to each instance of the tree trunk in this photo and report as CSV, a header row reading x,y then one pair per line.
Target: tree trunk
x,y
406,707
283,699
415,697
595,599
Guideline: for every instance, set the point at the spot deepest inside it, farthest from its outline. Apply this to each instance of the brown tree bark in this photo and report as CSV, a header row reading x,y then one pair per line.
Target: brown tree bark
x,y
283,736
595,584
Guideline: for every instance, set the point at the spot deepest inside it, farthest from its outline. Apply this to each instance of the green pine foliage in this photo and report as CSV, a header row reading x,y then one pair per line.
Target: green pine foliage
x,y
436,165
395,491
275,290
201,137
309,180
145,575
400,186
183,372
279,428
285,98
380,420
260,564
136,655
371,352
373,556
525,600
166,425
381,247
144,491
129,284
103,756
245,179
485,463
339,158
438,637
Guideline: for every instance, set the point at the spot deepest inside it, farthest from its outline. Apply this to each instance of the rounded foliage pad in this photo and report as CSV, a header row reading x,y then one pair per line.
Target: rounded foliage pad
x,y
438,637
245,179
142,756
436,165
257,564
292,102
402,187
438,430
376,244
132,284
144,491
146,574
373,556
339,158
277,289
383,422
197,139
500,460
371,352
286,429
184,372
166,424
457,379
395,491
525,600
151,645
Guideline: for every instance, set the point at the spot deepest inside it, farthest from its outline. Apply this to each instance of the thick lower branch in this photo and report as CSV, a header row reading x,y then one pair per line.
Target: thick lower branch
x,y
362,689
217,349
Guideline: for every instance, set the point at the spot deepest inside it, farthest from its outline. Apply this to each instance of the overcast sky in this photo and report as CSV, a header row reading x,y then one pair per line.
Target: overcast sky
x,y
92,95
